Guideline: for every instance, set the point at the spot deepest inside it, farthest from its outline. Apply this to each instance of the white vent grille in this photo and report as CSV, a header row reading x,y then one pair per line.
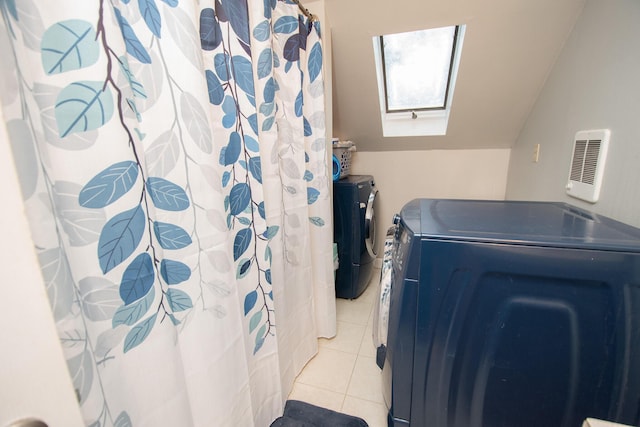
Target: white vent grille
x,y
591,161
577,162
587,164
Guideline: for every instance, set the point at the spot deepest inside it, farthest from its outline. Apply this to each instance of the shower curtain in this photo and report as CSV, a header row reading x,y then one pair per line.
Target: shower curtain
x,y
172,161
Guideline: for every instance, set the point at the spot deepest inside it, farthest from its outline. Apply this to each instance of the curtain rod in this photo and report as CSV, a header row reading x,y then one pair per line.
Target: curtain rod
x,y
305,11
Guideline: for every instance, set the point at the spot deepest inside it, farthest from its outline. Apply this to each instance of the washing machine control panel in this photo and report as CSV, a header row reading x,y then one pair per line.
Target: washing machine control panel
x,y
402,245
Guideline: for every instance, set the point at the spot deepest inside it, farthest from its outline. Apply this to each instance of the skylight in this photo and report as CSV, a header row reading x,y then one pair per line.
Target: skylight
x,y
416,78
416,68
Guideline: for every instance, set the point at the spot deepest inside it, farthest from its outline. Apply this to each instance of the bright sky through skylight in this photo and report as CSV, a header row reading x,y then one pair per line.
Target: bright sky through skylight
x,y
417,68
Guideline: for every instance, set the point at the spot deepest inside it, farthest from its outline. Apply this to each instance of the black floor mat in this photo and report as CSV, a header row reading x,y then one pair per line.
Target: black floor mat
x,y
301,414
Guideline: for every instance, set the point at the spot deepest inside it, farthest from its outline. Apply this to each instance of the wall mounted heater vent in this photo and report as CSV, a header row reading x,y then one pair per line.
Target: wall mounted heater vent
x,y
587,164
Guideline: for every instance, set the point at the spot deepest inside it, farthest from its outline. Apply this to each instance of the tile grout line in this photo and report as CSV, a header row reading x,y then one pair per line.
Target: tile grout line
x,y
349,383
365,323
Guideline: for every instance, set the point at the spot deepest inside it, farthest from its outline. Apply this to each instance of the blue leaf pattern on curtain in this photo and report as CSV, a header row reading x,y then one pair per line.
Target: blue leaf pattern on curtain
x,y
109,185
83,106
287,154
69,45
172,159
235,97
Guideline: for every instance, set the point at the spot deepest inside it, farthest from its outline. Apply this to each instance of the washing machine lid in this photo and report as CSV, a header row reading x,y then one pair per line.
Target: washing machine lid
x,y
518,222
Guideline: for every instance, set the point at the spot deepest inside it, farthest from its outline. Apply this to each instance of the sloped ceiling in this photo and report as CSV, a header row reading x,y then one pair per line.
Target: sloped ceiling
x,y
509,49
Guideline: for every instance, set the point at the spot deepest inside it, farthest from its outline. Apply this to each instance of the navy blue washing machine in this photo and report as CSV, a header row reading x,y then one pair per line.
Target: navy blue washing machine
x,y
354,200
511,314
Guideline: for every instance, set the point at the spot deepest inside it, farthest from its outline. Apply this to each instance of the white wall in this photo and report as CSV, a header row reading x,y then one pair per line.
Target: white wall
x,y
401,176
509,48
34,380
594,84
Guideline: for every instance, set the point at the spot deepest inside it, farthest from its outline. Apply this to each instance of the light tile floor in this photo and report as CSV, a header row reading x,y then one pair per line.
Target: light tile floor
x,y
343,376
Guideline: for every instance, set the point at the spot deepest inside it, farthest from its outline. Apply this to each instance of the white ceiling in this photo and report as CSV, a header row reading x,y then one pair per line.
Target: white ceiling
x,y
509,48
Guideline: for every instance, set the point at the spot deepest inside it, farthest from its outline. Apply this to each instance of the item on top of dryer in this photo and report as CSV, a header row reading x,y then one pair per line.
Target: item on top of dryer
x,y
512,313
381,310
337,169
354,231
342,158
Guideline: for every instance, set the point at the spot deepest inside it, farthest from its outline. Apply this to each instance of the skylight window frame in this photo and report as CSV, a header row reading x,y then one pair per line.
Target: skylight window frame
x,y
449,75
418,122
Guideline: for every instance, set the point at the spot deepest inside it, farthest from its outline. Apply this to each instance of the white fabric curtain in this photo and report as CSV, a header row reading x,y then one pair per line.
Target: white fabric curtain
x,y
172,163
